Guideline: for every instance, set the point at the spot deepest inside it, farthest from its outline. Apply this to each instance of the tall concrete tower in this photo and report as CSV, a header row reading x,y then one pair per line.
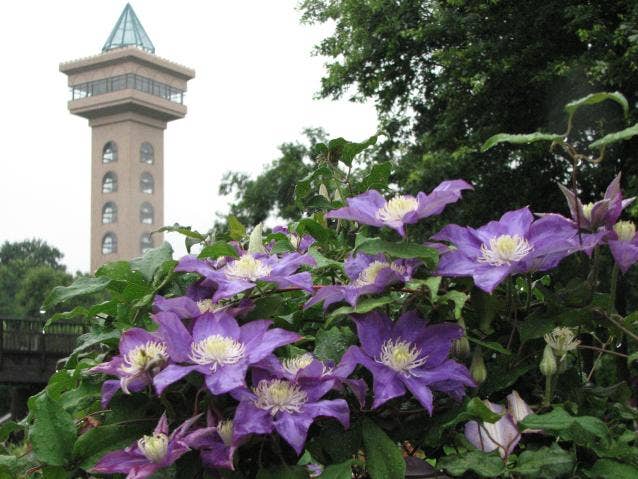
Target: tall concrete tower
x,y
128,94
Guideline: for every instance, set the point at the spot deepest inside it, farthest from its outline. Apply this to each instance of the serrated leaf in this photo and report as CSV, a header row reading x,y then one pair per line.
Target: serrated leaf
x,y
216,250
547,462
236,230
485,465
598,97
53,432
80,287
77,312
330,344
383,457
519,139
314,229
404,249
621,135
345,150
378,177
583,430
150,261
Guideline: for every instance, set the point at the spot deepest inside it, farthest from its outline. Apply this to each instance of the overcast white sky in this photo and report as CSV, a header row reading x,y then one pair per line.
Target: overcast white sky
x,y
254,90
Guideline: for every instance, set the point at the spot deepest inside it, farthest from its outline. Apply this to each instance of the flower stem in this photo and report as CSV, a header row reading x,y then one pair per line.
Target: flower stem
x,y
548,390
612,289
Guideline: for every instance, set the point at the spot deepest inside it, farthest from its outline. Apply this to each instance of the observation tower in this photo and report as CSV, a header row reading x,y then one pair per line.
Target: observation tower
x,y
128,94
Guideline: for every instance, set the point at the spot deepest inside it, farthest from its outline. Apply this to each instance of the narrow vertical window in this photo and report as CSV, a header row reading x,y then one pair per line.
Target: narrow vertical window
x,y
146,214
109,182
109,152
146,242
147,184
147,154
109,243
109,213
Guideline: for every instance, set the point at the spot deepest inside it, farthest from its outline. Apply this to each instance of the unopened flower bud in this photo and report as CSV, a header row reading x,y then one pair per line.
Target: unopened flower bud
x,y
337,195
625,230
323,191
548,364
461,346
256,241
477,368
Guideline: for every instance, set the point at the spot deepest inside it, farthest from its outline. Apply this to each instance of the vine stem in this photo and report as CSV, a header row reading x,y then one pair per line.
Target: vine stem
x,y
548,390
602,350
612,289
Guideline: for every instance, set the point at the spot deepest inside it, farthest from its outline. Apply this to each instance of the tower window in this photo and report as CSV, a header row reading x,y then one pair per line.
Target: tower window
x,y
147,154
109,183
146,242
109,213
109,243
147,184
109,152
146,214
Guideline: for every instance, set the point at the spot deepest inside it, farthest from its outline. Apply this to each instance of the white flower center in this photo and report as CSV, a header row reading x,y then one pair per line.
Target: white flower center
x,y
154,447
396,208
562,340
278,395
587,211
144,357
625,230
217,351
369,275
293,365
247,268
207,306
402,356
504,249
294,240
225,430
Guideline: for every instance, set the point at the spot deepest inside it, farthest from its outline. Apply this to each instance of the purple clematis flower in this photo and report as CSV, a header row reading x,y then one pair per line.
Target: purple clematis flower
x,y
623,243
215,442
371,208
605,212
241,274
149,454
502,435
287,407
368,275
142,356
407,354
514,244
300,243
218,348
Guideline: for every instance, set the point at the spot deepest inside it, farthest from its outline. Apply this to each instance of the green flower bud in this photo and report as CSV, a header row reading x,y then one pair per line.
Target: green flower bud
x,y
256,241
548,364
461,346
477,368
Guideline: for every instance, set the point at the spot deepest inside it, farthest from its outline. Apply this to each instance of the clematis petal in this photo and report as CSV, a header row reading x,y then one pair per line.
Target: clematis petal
x,y
421,392
171,374
227,378
178,339
372,329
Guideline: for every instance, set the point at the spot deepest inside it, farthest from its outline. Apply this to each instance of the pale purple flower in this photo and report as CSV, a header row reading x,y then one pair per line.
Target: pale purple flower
x,y
371,208
241,274
368,275
142,356
287,407
515,244
502,435
218,348
408,354
300,243
605,212
149,454
623,243
216,442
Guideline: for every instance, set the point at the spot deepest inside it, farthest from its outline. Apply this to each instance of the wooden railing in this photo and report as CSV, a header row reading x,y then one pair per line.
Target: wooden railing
x,y
27,336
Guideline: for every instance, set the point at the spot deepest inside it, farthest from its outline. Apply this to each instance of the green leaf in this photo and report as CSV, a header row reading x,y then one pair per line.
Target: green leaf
x,y
55,472
77,312
215,250
378,178
485,465
616,136
53,432
321,260
584,430
183,230
599,97
7,428
547,462
477,409
606,468
383,457
235,228
93,444
519,139
314,229
633,357
429,256
283,472
330,344
152,260
338,471
494,346
81,286
364,306
345,150
534,328
458,298
282,246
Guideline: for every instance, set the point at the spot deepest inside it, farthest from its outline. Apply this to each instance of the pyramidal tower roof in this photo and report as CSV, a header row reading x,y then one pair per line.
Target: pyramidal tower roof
x,y
128,31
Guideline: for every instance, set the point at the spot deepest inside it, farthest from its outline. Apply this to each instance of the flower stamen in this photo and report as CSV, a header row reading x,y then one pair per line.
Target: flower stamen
x,y
626,230
396,208
216,351
278,395
402,356
504,250
154,447
247,268
143,358
225,430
